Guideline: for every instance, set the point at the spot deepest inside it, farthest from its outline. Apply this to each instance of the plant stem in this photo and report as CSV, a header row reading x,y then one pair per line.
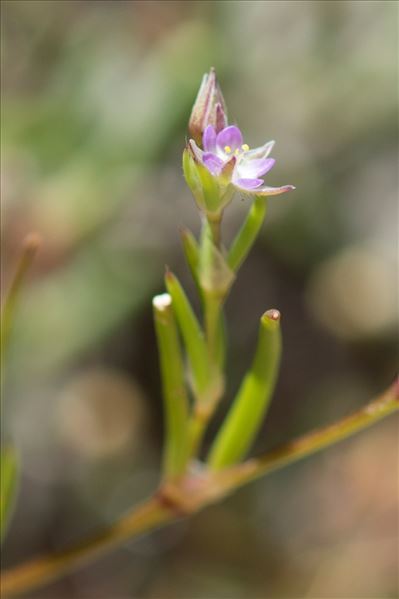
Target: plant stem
x,y
155,512
39,571
30,246
197,427
214,224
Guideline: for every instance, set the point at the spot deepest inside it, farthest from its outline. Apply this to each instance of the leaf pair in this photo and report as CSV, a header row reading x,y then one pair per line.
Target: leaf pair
x,y
214,274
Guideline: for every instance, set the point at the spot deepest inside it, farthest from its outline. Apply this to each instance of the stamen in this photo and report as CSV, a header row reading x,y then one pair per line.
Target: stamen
x,y
227,149
237,151
245,147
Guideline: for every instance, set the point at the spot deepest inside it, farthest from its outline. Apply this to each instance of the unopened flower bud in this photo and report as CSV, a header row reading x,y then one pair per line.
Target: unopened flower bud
x,y
209,108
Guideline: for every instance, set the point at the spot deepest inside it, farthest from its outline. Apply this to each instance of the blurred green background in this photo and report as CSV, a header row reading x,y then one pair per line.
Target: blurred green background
x,y
95,100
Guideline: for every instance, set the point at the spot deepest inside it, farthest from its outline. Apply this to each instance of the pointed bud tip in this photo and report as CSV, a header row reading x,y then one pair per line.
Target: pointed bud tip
x,y
185,233
272,315
209,107
169,276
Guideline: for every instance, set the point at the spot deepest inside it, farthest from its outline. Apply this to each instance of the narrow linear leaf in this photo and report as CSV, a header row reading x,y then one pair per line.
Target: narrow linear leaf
x,y
247,235
9,484
192,334
191,252
253,398
174,391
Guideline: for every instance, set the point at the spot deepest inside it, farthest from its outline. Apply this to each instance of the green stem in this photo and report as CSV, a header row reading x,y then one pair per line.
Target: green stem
x,y
152,514
214,225
156,513
30,247
197,428
212,316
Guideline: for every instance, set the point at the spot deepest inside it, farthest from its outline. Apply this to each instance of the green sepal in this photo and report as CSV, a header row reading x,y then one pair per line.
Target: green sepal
x,y
203,185
211,193
192,178
211,190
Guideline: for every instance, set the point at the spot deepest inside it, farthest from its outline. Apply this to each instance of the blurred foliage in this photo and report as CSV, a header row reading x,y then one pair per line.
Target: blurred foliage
x,y
95,100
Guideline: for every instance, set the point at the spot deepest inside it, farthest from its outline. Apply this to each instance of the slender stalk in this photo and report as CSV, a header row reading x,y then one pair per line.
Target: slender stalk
x,y
212,315
30,247
214,280
196,431
214,225
152,514
155,512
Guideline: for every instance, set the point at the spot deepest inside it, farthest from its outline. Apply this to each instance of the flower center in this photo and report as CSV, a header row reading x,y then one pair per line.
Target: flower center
x,y
237,152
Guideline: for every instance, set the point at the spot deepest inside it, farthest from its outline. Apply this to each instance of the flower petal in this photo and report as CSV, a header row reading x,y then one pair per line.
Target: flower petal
x,y
274,191
231,137
247,169
261,151
213,163
209,139
247,184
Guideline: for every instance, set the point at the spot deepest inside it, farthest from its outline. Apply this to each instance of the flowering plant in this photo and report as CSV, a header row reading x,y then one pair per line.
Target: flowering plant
x,y
216,161
216,164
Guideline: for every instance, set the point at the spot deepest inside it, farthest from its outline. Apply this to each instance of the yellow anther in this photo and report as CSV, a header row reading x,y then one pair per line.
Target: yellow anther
x,y
237,151
245,147
227,149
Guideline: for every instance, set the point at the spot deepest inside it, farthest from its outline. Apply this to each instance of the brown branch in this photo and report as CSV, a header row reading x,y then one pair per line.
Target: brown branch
x,y
194,493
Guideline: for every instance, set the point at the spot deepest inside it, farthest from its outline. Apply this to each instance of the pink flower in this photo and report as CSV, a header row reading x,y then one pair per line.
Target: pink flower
x,y
226,157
